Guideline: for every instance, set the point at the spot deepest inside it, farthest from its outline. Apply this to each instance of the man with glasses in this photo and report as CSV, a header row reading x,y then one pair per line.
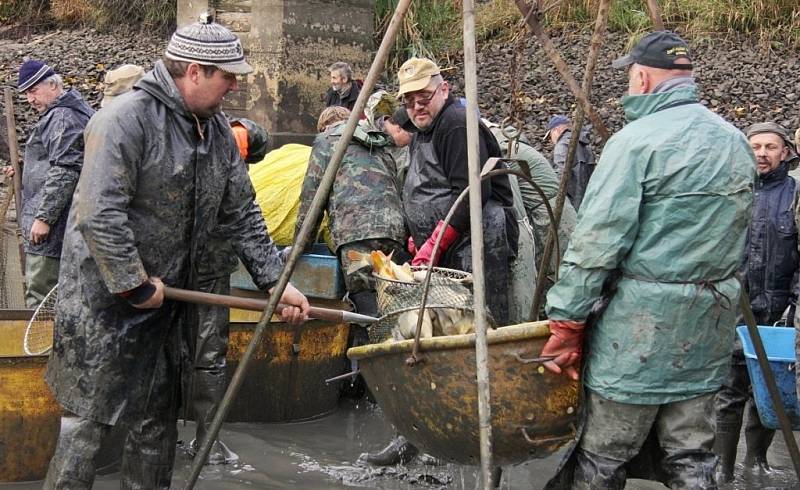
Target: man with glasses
x,y
438,174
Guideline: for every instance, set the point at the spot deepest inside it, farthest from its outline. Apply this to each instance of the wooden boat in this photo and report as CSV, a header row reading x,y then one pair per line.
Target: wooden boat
x,y
434,403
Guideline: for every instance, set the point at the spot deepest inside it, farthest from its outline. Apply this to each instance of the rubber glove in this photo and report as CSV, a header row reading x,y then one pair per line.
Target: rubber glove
x,y
449,236
565,345
411,246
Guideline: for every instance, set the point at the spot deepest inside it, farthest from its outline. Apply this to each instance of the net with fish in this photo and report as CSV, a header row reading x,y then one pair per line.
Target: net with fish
x,y
449,302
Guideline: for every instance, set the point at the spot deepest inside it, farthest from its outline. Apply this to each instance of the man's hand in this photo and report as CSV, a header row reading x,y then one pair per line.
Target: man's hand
x,y
296,309
39,231
8,171
565,346
157,299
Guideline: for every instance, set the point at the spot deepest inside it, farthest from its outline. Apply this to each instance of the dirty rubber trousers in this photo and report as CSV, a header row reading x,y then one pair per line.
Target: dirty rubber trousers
x,y
41,275
149,451
615,432
209,380
732,401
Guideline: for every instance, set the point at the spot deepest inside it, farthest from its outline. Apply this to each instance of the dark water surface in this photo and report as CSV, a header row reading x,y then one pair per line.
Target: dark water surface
x,y
323,454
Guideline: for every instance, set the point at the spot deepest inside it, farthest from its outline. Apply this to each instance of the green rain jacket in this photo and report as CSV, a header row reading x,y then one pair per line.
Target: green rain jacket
x,y
667,208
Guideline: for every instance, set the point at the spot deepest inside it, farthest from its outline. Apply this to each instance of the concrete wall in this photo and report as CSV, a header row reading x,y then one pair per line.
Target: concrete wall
x,y
290,44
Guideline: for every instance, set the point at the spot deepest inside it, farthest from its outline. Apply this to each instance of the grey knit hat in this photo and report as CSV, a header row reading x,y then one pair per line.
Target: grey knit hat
x,y
208,43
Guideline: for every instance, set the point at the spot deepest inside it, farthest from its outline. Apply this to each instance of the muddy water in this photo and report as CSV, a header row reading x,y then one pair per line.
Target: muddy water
x,y
323,454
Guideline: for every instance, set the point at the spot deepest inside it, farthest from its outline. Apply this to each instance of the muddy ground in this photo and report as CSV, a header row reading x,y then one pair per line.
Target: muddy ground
x,y
322,454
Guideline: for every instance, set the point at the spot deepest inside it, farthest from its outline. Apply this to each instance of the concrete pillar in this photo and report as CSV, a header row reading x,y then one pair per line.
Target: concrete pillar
x,y
290,44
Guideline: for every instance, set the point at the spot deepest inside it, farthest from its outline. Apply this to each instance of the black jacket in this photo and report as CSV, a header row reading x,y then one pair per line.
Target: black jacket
x,y
771,259
332,97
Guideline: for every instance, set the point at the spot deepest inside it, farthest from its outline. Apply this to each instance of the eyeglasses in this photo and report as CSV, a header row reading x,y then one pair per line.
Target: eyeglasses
x,y
411,102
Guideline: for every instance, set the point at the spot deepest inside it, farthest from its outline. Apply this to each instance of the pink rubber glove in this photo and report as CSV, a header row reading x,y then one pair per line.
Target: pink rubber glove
x,y
449,236
565,345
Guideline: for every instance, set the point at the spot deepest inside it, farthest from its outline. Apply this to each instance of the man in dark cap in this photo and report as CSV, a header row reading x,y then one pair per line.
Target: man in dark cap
x,y
162,172
559,130
52,164
769,269
659,238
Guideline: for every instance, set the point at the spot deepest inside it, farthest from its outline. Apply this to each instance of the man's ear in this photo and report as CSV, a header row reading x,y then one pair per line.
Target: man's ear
x,y
193,72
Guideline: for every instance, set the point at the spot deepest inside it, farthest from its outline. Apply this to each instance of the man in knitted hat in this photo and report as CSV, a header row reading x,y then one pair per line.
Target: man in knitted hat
x,y
659,239
769,269
559,130
162,172
52,164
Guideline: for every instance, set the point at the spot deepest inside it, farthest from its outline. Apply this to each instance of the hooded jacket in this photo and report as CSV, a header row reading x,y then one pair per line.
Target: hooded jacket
x,y
53,160
156,181
667,210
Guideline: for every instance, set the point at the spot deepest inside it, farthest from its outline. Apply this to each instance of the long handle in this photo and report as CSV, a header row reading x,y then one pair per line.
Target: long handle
x,y
254,304
13,150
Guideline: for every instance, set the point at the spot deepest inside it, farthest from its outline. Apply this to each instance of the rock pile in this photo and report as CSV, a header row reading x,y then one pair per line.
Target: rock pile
x,y
738,80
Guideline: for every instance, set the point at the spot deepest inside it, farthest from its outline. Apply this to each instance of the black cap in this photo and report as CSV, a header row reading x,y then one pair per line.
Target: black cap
x,y
658,49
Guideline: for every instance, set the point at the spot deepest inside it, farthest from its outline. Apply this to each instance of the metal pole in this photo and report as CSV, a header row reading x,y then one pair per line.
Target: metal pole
x,y
655,15
476,237
578,117
304,235
562,68
769,378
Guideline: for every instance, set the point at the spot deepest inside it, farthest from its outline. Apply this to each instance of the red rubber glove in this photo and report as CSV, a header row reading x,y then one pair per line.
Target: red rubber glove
x,y
423,256
565,345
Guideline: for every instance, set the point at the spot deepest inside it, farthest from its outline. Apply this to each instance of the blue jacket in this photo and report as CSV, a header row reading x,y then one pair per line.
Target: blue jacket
x,y
771,258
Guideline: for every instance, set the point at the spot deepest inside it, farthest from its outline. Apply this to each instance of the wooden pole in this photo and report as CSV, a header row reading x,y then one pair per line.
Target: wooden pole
x,y
302,239
578,117
16,181
476,238
562,68
655,15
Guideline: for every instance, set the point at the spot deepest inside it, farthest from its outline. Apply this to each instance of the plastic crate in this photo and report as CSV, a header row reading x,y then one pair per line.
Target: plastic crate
x,y
779,343
317,275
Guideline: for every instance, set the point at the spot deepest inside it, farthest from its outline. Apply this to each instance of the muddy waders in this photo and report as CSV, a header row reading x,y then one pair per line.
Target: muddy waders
x,y
209,380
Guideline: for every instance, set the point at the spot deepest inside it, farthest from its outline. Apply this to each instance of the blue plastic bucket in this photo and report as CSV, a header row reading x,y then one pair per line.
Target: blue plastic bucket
x,y
779,344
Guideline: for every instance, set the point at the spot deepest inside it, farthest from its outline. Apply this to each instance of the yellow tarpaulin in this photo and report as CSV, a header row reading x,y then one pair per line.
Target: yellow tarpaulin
x,y
277,180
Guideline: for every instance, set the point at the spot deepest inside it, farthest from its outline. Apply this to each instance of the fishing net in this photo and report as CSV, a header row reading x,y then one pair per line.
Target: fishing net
x,y
449,289
12,291
39,334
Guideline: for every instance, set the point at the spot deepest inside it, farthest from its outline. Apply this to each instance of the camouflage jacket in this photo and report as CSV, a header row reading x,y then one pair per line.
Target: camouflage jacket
x,y
156,182
52,165
365,200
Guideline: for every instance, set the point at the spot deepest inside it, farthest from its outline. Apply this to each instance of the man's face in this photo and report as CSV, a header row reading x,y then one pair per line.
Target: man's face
x,y
424,105
399,136
207,92
337,80
770,151
556,133
42,95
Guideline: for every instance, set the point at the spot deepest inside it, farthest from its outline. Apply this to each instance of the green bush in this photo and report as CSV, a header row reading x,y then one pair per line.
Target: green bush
x,y
24,11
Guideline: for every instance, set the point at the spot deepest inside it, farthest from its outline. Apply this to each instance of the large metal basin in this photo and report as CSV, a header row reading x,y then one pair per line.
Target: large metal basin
x,y
286,378
434,403
29,415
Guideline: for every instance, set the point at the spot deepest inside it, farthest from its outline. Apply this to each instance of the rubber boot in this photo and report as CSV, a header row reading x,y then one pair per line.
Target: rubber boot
x,y
399,451
208,390
594,471
725,448
497,476
758,438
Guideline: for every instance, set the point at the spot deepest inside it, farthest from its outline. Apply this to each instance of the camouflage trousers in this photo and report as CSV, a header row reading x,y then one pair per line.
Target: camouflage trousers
x,y
359,283
615,433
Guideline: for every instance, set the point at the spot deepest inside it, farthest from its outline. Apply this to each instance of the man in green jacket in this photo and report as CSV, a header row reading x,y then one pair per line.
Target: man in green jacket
x,y
659,237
